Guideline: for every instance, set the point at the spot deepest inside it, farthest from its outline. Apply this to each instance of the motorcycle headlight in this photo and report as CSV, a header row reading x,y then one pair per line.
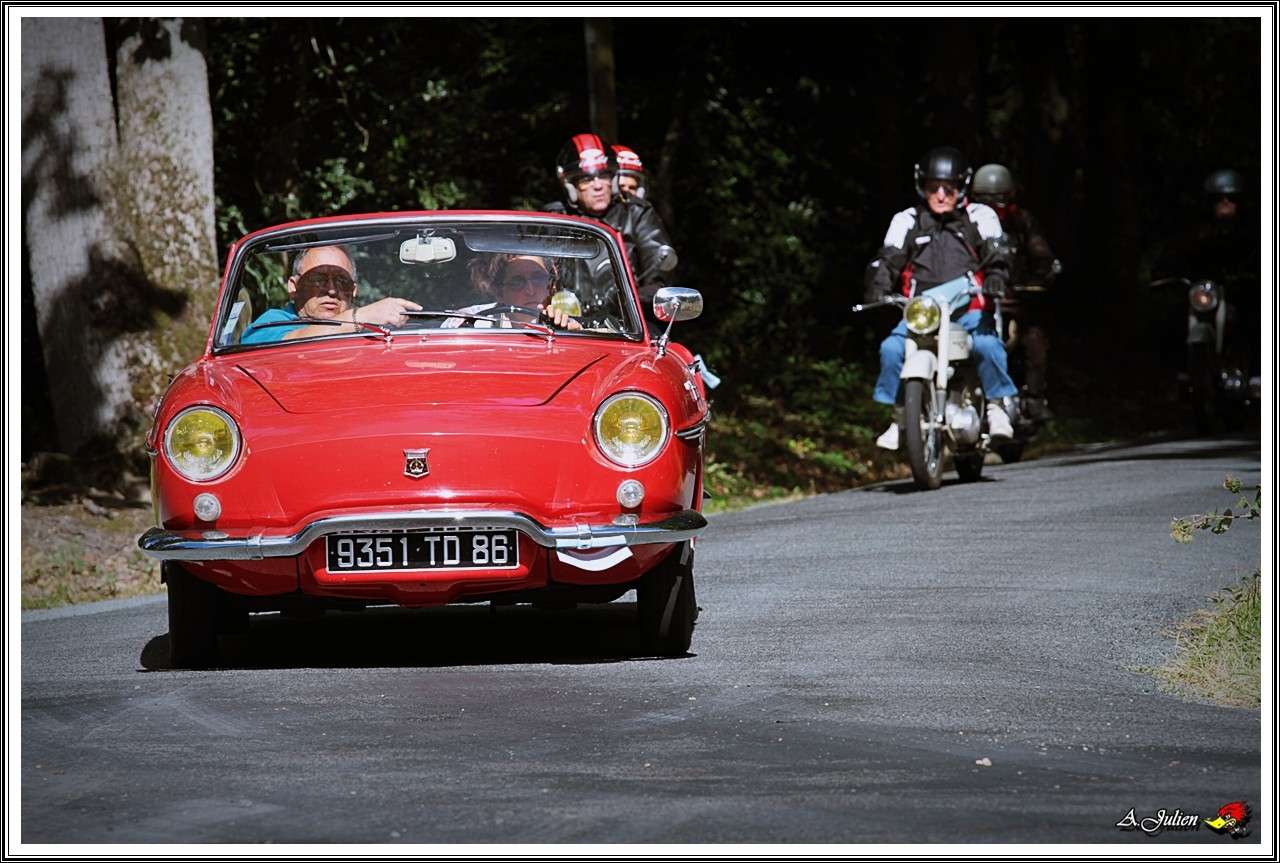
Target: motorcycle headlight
x,y
922,315
1203,296
202,443
631,429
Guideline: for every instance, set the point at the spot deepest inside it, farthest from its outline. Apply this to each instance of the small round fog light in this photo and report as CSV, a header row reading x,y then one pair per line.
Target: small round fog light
x,y
630,493
207,507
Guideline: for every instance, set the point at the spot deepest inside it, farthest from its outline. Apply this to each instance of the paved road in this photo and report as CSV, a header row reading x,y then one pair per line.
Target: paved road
x,y
857,654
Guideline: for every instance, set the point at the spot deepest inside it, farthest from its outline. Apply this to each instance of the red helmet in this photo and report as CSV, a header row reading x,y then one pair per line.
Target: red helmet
x,y
629,165
585,155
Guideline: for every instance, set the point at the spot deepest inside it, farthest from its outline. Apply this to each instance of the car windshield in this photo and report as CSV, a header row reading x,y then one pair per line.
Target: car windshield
x,y
436,277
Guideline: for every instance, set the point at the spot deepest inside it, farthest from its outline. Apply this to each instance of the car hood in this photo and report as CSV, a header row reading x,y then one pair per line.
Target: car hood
x,y
316,379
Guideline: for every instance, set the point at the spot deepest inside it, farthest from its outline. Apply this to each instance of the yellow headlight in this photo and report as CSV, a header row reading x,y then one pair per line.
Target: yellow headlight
x,y
922,315
631,429
202,443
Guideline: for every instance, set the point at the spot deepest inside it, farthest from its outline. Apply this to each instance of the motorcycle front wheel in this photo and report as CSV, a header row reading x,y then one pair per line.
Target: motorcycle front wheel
x,y
924,437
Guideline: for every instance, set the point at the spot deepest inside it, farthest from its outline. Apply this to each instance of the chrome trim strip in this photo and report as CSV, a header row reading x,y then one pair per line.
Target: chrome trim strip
x,y
693,432
160,544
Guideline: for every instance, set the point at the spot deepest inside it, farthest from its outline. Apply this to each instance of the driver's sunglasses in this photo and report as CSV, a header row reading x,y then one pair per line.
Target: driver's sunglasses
x,y
539,282
584,182
931,187
317,282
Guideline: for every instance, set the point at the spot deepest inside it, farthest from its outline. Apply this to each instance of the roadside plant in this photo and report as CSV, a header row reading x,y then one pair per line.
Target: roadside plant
x,y
1246,509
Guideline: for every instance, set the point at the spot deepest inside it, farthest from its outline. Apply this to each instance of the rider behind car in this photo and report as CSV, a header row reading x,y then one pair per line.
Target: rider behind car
x,y
586,168
631,180
929,246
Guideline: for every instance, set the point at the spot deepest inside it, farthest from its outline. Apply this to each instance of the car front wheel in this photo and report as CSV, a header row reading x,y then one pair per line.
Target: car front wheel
x,y
667,604
193,618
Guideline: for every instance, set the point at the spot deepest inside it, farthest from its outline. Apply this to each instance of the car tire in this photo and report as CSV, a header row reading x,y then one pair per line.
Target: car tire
x,y
668,605
193,618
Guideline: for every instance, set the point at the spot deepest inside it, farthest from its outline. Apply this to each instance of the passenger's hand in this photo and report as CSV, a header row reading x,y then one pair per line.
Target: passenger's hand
x,y
560,318
994,286
386,312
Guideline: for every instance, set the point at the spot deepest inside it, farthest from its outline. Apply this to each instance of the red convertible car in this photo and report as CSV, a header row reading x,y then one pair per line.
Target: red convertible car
x,y
427,408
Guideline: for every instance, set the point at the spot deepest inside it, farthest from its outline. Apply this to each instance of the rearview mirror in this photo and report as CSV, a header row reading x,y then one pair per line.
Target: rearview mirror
x,y
427,250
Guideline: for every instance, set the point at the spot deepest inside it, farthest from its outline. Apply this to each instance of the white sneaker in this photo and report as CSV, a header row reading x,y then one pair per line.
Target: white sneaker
x,y
998,421
889,440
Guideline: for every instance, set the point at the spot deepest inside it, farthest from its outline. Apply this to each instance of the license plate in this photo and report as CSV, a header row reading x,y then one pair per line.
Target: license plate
x,y
423,549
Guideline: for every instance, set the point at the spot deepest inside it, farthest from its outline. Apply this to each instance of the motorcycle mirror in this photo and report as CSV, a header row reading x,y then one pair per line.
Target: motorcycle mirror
x,y
667,258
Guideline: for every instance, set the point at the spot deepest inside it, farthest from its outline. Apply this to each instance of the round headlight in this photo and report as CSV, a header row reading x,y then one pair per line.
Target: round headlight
x,y
202,443
631,429
1203,296
922,315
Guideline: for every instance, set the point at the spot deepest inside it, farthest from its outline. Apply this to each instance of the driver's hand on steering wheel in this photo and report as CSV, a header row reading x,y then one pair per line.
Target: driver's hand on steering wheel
x,y
560,318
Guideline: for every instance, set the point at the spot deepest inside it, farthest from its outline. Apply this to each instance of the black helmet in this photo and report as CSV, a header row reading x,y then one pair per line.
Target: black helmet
x,y
585,155
943,163
1224,182
993,181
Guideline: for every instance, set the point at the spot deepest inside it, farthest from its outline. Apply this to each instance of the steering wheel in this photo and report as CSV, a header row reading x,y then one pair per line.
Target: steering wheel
x,y
507,308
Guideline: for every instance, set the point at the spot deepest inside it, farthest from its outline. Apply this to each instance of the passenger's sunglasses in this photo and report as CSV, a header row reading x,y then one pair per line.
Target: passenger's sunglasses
x,y
525,284
326,279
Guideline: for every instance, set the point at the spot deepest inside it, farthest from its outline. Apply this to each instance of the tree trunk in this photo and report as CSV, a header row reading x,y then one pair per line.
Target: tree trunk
x,y
119,221
1110,187
166,178
600,77
68,148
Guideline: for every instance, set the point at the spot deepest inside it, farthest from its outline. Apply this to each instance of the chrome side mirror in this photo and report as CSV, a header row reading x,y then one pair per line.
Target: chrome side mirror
x,y
677,304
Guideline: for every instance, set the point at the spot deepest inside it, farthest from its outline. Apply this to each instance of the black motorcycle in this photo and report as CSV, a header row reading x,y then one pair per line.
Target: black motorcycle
x,y
1221,382
1030,409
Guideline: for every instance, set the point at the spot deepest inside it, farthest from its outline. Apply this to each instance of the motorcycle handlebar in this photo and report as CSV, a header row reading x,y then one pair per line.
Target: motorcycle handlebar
x,y
887,301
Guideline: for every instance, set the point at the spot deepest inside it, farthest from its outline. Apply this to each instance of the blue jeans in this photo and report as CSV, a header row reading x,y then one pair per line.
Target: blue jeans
x,y
993,363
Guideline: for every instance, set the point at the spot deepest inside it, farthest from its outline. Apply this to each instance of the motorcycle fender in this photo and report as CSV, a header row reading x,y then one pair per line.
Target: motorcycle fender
x,y
919,364
1200,333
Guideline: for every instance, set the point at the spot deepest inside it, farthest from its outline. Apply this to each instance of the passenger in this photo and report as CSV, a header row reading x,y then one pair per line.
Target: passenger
x,y
1032,262
524,281
631,180
323,287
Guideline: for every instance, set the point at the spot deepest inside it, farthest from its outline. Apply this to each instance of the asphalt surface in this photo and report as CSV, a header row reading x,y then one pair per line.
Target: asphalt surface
x,y
857,655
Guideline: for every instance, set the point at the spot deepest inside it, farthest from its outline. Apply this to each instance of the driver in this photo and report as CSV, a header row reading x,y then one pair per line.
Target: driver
x,y
926,247
323,287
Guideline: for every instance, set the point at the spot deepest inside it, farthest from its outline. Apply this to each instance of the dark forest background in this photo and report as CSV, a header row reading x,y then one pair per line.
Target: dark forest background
x,y
778,150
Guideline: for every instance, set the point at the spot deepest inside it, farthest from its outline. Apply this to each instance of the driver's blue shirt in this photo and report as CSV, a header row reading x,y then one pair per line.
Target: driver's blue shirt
x,y
264,335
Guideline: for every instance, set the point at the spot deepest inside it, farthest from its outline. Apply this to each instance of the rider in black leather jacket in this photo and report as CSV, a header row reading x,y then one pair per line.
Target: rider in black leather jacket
x,y
587,169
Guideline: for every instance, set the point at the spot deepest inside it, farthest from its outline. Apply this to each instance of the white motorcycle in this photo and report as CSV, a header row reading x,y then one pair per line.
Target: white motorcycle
x,y
944,406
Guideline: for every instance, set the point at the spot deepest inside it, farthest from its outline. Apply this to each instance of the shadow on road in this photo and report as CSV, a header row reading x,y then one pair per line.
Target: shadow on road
x,y
909,486
1193,451
432,637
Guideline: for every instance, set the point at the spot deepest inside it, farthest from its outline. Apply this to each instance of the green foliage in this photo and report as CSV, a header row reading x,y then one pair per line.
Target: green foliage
x,y
1246,509
820,437
1219,649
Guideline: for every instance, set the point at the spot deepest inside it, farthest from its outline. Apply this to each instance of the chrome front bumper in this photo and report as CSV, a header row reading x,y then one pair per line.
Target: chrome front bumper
x,y
163,544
